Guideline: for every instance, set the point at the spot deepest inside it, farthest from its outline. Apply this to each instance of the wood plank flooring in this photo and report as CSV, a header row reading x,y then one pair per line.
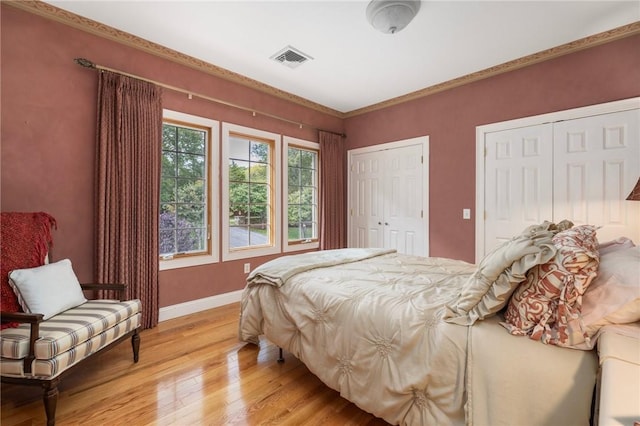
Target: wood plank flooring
x,y
193,370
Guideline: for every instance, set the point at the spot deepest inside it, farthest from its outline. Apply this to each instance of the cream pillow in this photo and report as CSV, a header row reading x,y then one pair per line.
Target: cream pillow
x,y
48,289
612,298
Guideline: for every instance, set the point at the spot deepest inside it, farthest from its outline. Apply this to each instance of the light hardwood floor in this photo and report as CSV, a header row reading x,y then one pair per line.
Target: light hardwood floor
x,y
193,370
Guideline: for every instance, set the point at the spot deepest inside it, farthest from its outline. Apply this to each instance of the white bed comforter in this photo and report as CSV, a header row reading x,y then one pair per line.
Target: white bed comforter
x,y
379,340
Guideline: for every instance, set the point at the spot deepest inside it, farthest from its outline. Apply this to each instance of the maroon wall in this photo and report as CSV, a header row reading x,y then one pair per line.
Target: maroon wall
x,y
49,125
48,130
600,74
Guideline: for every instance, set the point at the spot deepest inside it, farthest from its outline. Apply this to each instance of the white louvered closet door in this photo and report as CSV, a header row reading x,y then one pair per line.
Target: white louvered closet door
x,y
597,162
518,181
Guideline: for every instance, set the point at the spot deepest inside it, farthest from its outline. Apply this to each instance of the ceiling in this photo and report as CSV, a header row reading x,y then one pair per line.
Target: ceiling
x,y
355,66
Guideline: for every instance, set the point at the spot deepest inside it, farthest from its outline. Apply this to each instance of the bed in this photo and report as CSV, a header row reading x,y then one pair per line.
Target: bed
x,y
426,341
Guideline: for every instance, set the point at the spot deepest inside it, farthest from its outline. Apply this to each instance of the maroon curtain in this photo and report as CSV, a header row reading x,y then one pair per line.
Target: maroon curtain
x,y
332,192
128,159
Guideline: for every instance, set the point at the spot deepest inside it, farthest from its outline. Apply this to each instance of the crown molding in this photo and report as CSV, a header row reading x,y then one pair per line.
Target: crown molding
x,y
545,55
54,13
49,11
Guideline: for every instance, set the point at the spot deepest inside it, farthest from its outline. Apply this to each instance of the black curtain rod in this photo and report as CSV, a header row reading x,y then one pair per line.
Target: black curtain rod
x,y
88,64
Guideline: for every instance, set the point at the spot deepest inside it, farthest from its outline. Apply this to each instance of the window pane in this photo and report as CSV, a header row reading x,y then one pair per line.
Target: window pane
x,y
183,190
238,236
238,171
294,177
306,214
258,194
259,152
239,148
238,215
190,165
294,157
168,190
258,173
167,241
191,215
307,177
302,195
294,195
307,230
258,214
169,164
191,191
294,214
169,137
307,159
191,141
250,192
190,239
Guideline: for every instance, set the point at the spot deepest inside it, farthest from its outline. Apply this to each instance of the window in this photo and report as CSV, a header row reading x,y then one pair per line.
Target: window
x,y
301,189
188,207
251,192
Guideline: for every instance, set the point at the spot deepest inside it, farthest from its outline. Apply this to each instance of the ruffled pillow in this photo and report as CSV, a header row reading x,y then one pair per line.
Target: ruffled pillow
x,y
551,298
501,271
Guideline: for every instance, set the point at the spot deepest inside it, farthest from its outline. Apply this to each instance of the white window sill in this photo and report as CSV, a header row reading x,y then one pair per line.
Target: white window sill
x,y
186,262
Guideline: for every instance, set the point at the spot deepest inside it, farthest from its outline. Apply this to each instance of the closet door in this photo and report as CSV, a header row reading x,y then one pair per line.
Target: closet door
x,y
387,198
518,181
597,162
403,227
367,184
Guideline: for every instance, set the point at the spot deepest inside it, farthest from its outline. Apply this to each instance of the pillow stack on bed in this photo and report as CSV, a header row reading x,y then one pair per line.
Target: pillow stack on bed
x,y
556,284
501,271
551,296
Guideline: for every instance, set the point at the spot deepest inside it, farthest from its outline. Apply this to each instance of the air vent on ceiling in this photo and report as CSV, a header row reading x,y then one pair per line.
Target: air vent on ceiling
x,y
290,57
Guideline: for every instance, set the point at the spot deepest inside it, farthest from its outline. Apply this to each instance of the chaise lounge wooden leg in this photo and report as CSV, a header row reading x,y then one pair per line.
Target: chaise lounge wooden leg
x,y
135,344
280,356
50,399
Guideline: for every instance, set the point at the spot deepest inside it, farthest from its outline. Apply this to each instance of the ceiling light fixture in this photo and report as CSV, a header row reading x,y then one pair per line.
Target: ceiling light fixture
x,y
391,16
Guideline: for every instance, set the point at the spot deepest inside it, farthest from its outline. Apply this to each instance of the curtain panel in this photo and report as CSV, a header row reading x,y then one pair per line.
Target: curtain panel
x,y
128,155
332,191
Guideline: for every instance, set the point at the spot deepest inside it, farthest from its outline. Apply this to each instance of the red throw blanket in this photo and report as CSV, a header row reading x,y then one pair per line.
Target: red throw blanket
x,y
24,242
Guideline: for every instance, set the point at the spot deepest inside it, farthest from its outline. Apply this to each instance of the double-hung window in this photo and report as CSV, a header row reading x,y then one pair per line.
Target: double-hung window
x,y
301,192
188,191
251,185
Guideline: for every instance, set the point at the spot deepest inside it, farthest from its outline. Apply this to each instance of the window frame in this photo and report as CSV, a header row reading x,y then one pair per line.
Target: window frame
x,y
213,207
311,146
275,173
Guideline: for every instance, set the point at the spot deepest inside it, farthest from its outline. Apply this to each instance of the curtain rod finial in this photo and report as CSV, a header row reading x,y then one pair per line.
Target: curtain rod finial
x,y
84,63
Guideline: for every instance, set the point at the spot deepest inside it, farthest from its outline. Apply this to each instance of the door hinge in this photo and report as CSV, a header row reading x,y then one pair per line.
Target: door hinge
x,y
351,212
422,159
421,214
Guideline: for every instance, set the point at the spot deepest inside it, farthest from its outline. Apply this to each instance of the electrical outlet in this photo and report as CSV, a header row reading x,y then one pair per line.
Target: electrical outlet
x,y
247,268
466,213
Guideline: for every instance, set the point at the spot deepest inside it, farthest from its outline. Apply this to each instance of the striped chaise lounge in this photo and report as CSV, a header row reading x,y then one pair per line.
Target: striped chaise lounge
x,y
39,352
48,325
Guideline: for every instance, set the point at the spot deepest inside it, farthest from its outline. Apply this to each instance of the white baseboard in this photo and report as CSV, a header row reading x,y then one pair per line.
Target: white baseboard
x,y
193,306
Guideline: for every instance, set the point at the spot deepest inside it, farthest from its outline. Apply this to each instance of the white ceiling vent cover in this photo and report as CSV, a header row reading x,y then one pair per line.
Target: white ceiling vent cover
x,y
290,57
